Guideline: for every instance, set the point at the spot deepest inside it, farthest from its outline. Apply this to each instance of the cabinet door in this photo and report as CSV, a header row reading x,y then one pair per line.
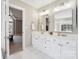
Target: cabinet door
x,y
52,48
55,48
68,50
40,44
43,44
35,42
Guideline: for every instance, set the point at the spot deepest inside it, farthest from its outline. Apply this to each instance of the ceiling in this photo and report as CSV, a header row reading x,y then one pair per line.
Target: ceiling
x,y
38,3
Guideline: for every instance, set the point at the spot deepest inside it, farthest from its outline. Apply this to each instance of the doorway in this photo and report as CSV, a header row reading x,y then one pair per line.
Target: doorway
x,y
15,30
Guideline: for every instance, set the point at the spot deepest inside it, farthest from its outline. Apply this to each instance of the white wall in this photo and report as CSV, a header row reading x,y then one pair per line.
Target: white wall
x,y
29,16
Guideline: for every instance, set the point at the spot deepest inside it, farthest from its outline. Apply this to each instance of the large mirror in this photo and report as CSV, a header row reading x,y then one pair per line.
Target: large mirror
x,y
63,20
44,23
44,20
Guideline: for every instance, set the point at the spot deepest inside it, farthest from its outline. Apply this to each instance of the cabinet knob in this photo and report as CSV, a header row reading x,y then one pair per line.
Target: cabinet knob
x,y
45,47
67,42
45,42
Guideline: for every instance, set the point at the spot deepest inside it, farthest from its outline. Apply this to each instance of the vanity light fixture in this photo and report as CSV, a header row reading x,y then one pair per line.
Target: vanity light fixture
x,y
45,12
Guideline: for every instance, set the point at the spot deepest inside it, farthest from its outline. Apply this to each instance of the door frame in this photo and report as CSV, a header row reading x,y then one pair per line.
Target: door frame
x,y
23,23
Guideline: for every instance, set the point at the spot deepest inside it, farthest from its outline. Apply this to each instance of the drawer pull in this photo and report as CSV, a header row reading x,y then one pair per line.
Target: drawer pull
x,y
60,45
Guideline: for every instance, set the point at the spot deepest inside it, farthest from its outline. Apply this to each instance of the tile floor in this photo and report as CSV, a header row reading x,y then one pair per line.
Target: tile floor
x,y
29,53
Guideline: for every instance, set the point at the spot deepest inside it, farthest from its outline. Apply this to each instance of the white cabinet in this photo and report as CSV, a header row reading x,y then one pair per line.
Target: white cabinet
x,y
69,49
56,47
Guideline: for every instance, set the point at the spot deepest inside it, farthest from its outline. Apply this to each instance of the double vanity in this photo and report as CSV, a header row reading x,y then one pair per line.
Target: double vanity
x,y
61,22
57,47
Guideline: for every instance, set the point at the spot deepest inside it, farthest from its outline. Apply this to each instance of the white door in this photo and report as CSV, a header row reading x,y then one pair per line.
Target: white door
x,y
5,29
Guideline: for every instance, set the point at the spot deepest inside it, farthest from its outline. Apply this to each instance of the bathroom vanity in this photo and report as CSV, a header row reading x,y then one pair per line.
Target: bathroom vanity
x,y
58,47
